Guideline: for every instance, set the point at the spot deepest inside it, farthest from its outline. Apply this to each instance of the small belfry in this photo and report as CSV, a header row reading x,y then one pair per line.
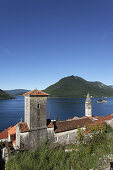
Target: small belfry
x,y
88,106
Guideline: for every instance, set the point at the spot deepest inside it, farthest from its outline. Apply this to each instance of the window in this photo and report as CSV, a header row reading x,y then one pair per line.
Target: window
x,y
38,106
67,136
55,139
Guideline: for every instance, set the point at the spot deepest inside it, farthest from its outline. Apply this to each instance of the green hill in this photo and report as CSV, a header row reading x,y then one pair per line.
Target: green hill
x,y
4,95
16,92
74,86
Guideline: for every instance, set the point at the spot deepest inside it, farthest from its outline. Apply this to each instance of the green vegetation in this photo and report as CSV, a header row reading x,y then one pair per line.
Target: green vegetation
x,y
77,87
2,163
16,92
4,95
56,118
92,152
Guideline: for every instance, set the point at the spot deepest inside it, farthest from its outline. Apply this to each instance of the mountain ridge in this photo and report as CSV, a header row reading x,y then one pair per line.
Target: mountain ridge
x,y
16,91
74,86
4,95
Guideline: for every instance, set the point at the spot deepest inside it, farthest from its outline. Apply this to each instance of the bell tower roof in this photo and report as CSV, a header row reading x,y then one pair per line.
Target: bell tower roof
x,y
88,98
35,93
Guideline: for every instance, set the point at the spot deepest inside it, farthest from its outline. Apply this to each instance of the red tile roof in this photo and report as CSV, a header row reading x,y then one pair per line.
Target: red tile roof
x,y
76,117
109,117
100,123
23,127
12,130
101,120
8,128
70,125
84,117
35,93
97,118
3,135
51,125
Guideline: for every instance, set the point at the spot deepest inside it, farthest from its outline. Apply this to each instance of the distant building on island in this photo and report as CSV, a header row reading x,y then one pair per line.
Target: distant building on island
x,y
36,128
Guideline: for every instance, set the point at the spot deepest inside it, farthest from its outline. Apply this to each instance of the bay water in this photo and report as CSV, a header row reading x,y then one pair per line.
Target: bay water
x,y
12,110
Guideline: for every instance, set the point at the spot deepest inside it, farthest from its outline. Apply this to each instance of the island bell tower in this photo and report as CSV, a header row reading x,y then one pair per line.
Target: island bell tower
x,y
88,106
35,116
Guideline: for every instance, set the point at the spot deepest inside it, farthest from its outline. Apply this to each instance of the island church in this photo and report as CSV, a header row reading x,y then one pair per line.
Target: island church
x,y
36,128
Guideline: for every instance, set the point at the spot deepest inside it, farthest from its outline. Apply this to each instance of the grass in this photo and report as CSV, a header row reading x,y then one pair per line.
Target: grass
x,y
96,153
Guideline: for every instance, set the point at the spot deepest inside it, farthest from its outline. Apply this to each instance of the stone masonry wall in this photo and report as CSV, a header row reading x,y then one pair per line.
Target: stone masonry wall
x,y
88,109
62,138
38,111
17,136
27,110
32,139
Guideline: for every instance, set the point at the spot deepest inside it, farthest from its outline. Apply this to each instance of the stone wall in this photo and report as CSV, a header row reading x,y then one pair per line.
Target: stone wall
x,y
27,110
32,139
51,134
17,136
67,137
35,116
88,109
110,122
4,140
38,111
24,140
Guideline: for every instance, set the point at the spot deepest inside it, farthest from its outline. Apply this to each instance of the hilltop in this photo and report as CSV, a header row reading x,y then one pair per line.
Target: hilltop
x,y
16,92
4,95
74,86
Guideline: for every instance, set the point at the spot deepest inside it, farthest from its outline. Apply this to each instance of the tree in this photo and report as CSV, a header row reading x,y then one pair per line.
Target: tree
x,y
80,136
56,118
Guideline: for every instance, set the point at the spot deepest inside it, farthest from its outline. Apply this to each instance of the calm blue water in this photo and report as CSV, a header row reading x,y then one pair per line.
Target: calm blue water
x,y
11,111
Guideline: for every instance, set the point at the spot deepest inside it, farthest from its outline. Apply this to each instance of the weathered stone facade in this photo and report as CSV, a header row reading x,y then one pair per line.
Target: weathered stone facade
x,y
35,116
67,137
17,136
38,113
27,110
88,106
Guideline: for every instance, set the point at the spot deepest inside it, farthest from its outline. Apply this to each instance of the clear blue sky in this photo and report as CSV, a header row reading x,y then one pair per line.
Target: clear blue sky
x,y
42,41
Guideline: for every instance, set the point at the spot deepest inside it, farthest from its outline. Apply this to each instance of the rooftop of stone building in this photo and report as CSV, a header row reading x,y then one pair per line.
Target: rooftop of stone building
x,y
35,93
71,125
3,135
51,125
12,130
99,123
23,127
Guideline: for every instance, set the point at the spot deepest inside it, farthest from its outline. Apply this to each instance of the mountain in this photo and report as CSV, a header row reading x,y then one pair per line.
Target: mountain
x,y
74,86
15,92
4,95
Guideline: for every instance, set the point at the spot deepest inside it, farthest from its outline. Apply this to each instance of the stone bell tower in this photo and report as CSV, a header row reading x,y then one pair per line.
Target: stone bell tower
x,y
35,116
88,106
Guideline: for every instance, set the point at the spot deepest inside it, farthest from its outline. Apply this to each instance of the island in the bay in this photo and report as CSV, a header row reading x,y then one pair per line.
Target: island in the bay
x,y
101,101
